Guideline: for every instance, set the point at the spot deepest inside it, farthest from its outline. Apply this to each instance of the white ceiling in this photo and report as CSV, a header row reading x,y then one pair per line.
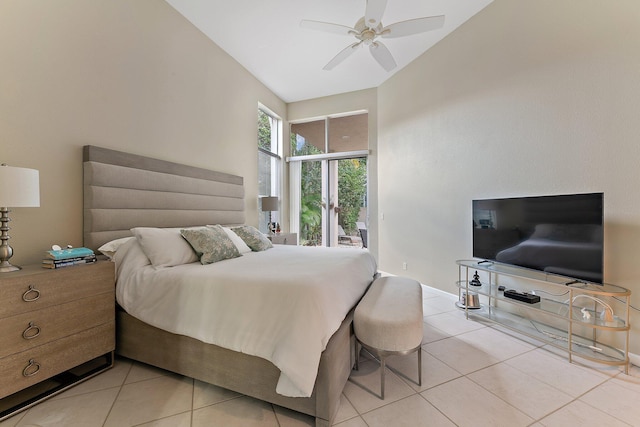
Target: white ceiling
x,y
266,38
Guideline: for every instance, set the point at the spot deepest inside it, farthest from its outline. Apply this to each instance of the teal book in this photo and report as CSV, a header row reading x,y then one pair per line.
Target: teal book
x,y
68,253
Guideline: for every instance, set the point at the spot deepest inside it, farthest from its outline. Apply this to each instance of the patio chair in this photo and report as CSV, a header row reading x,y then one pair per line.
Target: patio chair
x,y
362,228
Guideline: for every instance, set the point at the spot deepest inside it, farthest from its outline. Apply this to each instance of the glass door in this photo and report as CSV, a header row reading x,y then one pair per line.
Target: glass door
x,y
332,208
349,185
311,208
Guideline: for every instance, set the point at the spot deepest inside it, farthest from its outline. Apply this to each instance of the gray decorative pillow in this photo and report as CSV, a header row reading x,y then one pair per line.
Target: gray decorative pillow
x,y
253,238
211,244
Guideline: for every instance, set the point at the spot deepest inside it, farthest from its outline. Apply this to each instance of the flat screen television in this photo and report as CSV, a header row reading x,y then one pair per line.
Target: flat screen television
x,y
559,234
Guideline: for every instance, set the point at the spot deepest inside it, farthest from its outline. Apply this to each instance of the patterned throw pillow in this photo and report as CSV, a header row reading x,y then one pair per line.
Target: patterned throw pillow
x,y
253,238
211,244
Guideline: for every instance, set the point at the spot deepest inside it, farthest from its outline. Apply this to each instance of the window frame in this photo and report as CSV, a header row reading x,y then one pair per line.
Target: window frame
x,y
276,167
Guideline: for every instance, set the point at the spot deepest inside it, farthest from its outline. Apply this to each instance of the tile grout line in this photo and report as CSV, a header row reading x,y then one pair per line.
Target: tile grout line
x,y
124,380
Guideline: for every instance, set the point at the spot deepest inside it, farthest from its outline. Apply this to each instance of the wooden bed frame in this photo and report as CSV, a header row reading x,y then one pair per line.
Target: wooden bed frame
x,y
122,191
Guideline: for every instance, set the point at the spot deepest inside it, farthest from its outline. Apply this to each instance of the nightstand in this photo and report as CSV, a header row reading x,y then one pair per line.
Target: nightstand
x,y
57,328
283,238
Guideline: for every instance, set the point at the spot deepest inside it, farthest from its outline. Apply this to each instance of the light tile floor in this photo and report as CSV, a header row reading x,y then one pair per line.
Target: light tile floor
x,y
473,375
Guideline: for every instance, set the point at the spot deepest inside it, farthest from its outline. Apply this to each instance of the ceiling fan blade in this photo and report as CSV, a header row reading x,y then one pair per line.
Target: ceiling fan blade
x,y
382,55
344,54
327,27
413,26
373,13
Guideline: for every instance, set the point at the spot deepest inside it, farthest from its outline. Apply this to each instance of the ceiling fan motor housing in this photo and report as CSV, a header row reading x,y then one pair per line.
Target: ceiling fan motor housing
x,y
365,33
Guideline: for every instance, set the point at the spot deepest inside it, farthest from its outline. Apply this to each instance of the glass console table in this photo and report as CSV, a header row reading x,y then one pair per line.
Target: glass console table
x,y
584,319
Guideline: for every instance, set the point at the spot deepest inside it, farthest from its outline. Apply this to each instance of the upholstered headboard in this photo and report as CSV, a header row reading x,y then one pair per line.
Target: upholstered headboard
x,y
122,191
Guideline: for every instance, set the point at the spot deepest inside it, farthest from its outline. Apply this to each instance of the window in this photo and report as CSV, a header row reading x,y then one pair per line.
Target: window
x,y
269,163
308,138
328,180
339,134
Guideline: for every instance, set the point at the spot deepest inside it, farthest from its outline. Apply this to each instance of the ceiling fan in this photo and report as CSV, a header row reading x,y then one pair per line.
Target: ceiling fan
x,y
369,28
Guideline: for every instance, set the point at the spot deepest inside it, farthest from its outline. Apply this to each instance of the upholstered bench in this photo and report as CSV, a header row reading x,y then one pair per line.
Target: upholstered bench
x,y
388,321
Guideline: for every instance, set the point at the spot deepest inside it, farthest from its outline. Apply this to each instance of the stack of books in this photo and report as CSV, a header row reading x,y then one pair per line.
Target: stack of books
x,y
68,257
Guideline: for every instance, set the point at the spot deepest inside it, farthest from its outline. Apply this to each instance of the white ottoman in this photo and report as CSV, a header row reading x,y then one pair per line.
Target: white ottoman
x,y
388,321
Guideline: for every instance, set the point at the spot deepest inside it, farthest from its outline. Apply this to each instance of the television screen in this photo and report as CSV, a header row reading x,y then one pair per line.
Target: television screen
x,y
561,234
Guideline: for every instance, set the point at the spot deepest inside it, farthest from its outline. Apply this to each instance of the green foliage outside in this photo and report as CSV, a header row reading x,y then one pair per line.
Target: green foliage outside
x,y
352,190
311,199
310,207
264,131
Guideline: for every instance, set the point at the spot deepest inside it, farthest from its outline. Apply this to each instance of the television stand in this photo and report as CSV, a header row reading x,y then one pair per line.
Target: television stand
x,y
583,319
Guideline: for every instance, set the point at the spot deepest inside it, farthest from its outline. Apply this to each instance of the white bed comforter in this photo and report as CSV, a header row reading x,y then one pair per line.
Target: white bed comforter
x,y
282,304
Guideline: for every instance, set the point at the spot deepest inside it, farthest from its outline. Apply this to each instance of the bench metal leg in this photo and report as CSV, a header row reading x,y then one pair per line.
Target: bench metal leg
x,y
357,355
381,356
419,367
382,366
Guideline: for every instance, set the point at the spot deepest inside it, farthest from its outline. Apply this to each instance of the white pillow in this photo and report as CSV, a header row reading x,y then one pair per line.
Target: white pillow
x,y
109,249
165,247
240,244
130,256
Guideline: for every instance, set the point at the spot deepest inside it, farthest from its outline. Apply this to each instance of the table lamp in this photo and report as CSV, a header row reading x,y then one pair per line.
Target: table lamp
x,y
19,187
269,204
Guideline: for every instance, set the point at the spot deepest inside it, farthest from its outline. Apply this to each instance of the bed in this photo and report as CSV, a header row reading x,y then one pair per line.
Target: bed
x,y
124,191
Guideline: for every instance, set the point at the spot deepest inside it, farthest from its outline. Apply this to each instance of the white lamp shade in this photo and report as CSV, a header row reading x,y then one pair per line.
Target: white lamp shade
x,y
269,203
19,187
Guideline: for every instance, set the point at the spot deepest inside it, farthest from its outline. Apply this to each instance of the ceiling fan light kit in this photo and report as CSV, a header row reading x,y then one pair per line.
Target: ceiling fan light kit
x,y
369,28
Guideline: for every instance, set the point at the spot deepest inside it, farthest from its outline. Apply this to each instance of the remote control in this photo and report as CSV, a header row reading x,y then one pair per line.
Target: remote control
x,y
522,296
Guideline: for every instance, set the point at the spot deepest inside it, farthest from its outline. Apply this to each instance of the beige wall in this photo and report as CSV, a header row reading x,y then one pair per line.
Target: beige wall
x,y
348,102
527,98
128,75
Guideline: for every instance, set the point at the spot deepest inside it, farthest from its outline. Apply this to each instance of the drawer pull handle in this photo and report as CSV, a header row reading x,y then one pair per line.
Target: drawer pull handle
x,y
31,332
32,294
31,369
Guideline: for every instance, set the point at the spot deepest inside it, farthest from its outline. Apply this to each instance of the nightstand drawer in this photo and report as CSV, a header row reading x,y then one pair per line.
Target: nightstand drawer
x,y
24,331
24,369
30,290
